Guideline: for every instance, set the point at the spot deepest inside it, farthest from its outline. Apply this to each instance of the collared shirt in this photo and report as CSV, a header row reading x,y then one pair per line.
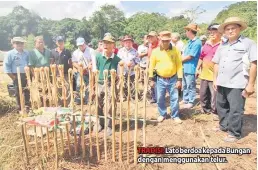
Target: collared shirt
x,y
231,62
143,49
104,63
128,56
207,54
167,63
86,57
15,59
193,48
39,59
152,47
61,58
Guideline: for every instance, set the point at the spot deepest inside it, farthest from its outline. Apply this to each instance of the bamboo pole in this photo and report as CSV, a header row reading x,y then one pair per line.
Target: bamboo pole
x,y
128,112
48,144
136,69
26,136
61,73
70,78
75,137
144,107
43,83
54,90
97,112
62,141
36,74
42,141
121,111
82,114
48,86
21,93
68,138
106,111
27,72
90,99
25,145
113,77
55,143
36,140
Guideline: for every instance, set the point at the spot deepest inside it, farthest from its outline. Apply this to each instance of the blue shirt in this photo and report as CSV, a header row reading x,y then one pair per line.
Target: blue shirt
x,y
15,59
193,48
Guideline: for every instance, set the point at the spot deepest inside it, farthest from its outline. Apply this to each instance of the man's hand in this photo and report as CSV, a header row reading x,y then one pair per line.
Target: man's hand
x,y
197,74
179,84
249,89
152,83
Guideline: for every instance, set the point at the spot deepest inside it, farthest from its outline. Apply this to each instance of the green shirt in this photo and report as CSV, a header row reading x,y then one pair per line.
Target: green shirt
x,y
104,63
38,59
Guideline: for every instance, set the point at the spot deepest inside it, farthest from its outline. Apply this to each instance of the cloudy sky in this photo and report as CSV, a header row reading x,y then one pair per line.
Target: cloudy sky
x,y
78,9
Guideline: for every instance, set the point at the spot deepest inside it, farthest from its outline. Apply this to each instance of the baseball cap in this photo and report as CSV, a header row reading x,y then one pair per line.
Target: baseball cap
x,y
80,41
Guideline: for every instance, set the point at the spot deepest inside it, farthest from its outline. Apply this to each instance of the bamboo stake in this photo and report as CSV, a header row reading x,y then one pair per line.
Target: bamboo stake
x,y
113,77
55,142
48,86
144,107
36,139
21,93
62,141
27,72
48,144
82,114
121,111
90,99
75,137
36,74
70,77
42,80
106,111
61,73
136,69
26,136
97,112
128,112
68,138
54,90
42,141
25,145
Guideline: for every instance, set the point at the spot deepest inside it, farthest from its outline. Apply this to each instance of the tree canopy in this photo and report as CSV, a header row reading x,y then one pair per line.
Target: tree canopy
x,y
26,23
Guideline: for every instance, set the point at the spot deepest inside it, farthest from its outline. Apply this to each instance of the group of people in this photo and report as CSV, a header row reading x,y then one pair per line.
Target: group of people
x,y
225,62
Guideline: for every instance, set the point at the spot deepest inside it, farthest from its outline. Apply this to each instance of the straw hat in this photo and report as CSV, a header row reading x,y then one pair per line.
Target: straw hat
x,y
193,27
165,35
233,20
109,38
153,34
127,37
18,39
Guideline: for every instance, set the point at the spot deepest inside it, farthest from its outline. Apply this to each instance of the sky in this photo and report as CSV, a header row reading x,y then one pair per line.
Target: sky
x,y
57,10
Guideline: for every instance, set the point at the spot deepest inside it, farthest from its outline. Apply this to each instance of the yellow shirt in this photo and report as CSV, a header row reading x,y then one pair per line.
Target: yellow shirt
x,y
166,62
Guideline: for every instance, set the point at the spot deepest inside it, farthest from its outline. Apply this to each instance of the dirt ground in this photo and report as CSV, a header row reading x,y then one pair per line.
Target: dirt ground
x,y
167,133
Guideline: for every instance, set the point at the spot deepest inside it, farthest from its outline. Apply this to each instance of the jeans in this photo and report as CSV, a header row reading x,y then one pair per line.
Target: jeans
x,y
189,88
230,107
78,86
164,85
207,96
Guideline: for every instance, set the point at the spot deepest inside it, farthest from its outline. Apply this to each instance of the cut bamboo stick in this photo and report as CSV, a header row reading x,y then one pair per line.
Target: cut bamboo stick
x,y
48,86
82,114
48,144
54,89
97,112
21,93
121,69
136,69
113,77
61,73
128,112
70,78
26,136
36,140
55,143
25,145
43,83
68,138
75,137
144,108
90,99
36,74
42,141
106,111
62,141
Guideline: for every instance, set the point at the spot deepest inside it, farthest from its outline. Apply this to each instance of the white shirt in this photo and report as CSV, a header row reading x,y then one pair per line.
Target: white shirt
x,y
89,56
179,45
143,61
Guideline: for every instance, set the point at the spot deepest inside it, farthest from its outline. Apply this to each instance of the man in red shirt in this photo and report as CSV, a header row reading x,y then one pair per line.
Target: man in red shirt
x,y
154,43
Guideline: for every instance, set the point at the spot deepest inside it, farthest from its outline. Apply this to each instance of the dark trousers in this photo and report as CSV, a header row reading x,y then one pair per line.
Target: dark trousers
x,y
230,107
207,97
25,91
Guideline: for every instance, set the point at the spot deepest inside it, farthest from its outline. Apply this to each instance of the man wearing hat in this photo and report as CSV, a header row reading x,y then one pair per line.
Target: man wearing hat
x,y
205,67
17,57
84,57
129,56
143,56
203,38
106,61
234,76
154,43
190,59
39,56
166,60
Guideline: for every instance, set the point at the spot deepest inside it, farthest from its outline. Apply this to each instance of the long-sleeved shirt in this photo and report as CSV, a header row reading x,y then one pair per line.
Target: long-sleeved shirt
x,y
167,63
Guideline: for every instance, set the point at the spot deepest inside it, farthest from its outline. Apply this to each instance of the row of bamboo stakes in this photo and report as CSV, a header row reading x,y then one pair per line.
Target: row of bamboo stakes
x,y
42,81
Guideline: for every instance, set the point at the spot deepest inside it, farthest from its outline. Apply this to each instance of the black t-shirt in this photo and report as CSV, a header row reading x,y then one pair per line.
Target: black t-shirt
x,y
61,58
